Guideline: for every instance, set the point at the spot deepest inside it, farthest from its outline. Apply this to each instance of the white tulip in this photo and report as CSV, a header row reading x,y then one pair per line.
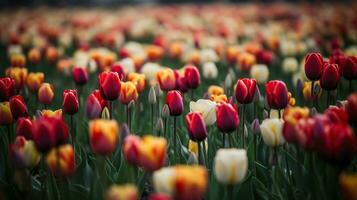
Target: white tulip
x,y
150,69
128,65
260,72
208,55
207,108
275,113
290,65
288,48
271,130
230,165
210,70
163,180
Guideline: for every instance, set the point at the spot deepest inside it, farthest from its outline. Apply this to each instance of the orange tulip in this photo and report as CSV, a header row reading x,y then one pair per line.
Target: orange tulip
x,y
246,61
61,161
306,90
154,52
103,136
17,60
34,80
215,90
52,113
51,54
166,79
348,184
152,152
5,113
34,55
219,98
176,50
18,74
128,92
45,93
122,192
138,80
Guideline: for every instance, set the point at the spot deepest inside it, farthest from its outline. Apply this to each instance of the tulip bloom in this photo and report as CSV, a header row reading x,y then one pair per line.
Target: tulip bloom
x,y
192,76
109,85
18,74
206,108
306,91
45,93
34,81
95,104
18,107
128,92
130,149
116,67
70,102
24,128
61,161
330,77
6,117
181,81
122,192
313,66
230,165
103,135
227,117
34,55
215,90
152,153
138,80
291,117
80,75
17,60
196,126
219,98
260,73
245,90
7,88
351,107
23,153
348,185
51,113
349,68
277,94
175,102
166,79
271,130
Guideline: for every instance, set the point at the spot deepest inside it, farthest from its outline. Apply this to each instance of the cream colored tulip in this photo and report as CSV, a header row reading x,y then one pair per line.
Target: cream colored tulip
x,y
207,108
208,55
163,180
271,130
290,65
128,65
260,72
230,165
210,70
150,70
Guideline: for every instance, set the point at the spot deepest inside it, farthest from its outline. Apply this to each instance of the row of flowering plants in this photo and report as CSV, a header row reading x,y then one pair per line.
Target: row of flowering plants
x,y
179,102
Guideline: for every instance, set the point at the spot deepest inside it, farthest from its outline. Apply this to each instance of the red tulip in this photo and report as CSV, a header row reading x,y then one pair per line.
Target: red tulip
x,y
227,117
119,70
330,77
277,94
7,88
24,128
95,104
313,66
70,102
349,68
304,133
80,75
109,85
181,82
351,107
175,102
338,58
336,115
130,149
160,197
245,90
49,132
18,107
196,126
193,78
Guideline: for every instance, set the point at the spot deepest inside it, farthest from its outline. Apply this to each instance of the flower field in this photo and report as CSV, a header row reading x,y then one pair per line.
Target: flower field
x,y
186,102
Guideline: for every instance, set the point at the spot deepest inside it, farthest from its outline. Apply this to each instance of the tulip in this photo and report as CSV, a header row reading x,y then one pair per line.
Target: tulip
x,y
23,153
176,49
246,61
118,68
109,85
49,132
305,133
103,136
34,56
128,92
175,102
18,74
17,60
166,79
306,91
277,94
290,65
351,107
349,68
159,197
219,98
34,81
45,93
192,76
24,128
336,115
271,130
181,81
152,153
6,117
230,165
51,113
70,102
154,52
210,70
196,126
348,185
245,90
80,75
122,192
138,80
313,66
18,107
7,88
215,90
330,77
61,161
95,104
260,73
130,149
227,117
206,108
291,117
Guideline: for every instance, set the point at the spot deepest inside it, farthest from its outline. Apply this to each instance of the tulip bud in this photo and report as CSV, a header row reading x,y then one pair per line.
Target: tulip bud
x,y
227,118
277,94
349,68
195,126
6,117
192,76
45,93
165,112
255,126
122,192
271,130
230,165
166,79
34,81
24,128
152,96
245,90
7,88
109,85
61,160
175,102
103,136
330,77
260,73
159,126
105,113
95,104
131,104
70,102
228,82
210,70
18,107
313,66
124,131
80,75
23,153
128,92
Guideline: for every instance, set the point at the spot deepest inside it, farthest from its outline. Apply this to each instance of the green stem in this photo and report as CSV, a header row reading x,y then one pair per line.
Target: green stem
x,y
224,139
199,153
312,92
175,140
152,118
243,128
327,99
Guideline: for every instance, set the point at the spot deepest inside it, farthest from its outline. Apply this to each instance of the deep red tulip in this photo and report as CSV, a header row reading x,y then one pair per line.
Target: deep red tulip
x,y
349,68
337,57
336,115
49,132
18,107
24,128
7,88
80,75
95,104
330,77
226,117
70,102
351,107
181,82
175,102
193,77
313,66
276,94
196,127
303,133
109,85
130,149
245,90
118,69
